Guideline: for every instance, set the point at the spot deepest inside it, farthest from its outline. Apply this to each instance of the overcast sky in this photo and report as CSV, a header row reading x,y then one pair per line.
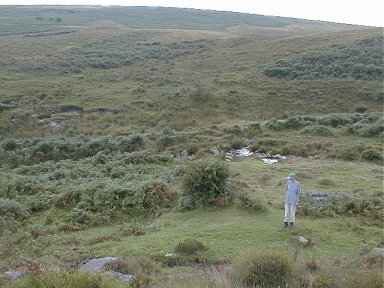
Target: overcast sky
x,y
366,12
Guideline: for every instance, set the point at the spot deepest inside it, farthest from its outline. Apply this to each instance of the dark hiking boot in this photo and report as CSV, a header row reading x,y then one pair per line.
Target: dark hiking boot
x,y
285,224
291,224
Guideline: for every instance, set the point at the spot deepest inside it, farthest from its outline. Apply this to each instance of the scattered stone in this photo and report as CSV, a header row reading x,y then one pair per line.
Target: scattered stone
x,y
55,124
319,195
68,122
180,154
302,240
119,276
12,275
96,264
247,151
215,151
270,159
69,108
229,156
244,152
248,142
379,250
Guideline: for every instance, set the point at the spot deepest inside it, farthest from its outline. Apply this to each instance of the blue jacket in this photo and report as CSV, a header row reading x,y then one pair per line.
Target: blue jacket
x,y
292,189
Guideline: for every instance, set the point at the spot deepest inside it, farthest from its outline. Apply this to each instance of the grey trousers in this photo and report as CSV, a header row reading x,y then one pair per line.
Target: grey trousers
x,y
290,211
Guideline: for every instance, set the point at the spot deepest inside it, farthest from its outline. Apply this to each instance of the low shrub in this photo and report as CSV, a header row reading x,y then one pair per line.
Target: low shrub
x,y
189,247
203,181
263,269
368,124
9,144
318,130
275,124
174,260
253,205
367,205
157,195
133,229
147,157
12,209
237,143
132,266
350,155
130,143
371,155
326,182
83,218
38,203
235,130
67,199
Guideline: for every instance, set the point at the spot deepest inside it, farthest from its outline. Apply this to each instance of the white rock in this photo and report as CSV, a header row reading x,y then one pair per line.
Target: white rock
x,y
302,240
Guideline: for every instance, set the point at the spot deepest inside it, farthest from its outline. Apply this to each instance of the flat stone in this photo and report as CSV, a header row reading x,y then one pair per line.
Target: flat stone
x,y
96,264
119,276
379,250
12,275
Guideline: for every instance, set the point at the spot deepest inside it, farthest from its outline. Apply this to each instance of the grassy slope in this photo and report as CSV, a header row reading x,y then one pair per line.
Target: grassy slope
x,y
229,71
337,243
152,94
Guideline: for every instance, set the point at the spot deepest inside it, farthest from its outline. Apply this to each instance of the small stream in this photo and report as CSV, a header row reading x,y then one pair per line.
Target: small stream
x,y
247,152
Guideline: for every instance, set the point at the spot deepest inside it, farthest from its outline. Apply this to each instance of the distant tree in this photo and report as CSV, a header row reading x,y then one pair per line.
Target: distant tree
x,y
39,18
58,19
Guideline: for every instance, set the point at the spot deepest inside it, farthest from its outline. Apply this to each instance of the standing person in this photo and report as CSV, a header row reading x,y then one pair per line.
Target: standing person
x,y
292,191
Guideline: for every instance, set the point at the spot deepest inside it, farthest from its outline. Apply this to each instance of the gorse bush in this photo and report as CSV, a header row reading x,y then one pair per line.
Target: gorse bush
x,y
12,209
143,198
33,151
263,269
362,124
147,157
204,181
359,61
371,155
318,130
367,205
114,52
254,205
92,190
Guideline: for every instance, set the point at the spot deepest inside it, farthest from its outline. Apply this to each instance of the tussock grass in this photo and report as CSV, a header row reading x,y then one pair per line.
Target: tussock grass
x,y
56,279
267,269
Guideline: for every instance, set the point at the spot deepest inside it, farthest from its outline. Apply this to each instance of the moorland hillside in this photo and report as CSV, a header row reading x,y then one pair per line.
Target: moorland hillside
x,y
120,133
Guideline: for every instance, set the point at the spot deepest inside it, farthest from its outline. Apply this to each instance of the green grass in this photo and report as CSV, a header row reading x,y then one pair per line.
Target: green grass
x,y
340,239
